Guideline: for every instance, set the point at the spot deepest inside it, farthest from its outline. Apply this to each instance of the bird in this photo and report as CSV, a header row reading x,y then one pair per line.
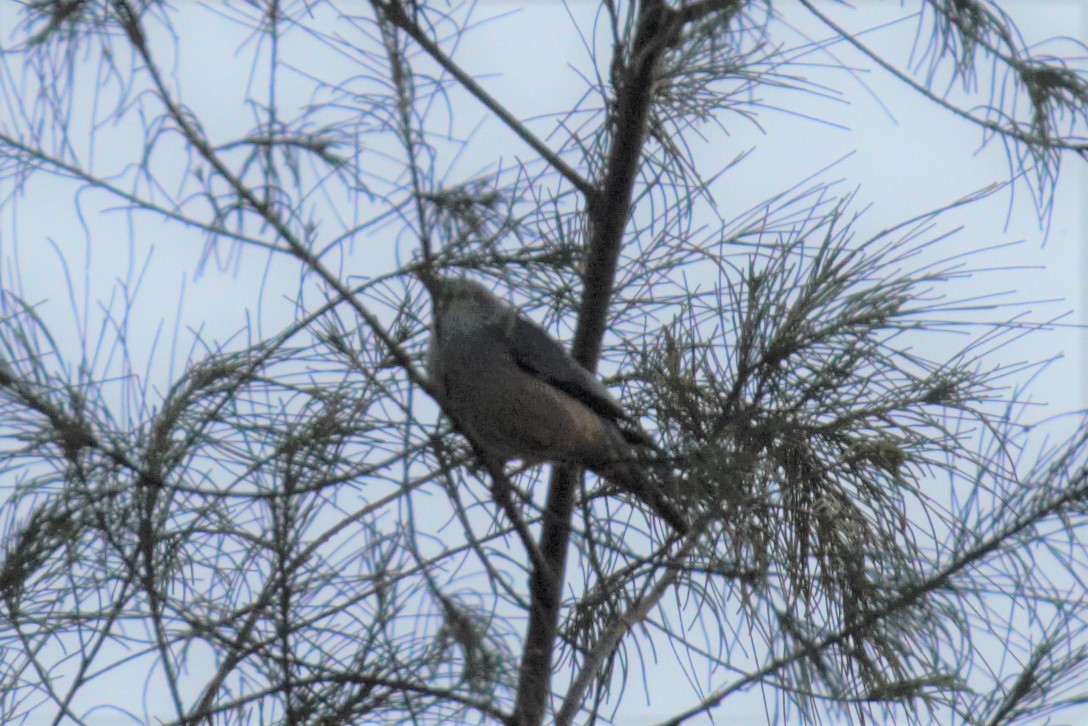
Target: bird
x,y
518,394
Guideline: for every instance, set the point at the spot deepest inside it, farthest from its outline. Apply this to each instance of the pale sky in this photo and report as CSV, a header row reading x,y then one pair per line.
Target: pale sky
x,y
903,155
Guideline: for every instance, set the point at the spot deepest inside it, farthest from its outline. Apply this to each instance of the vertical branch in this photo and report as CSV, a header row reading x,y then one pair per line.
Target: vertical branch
x,y
608,211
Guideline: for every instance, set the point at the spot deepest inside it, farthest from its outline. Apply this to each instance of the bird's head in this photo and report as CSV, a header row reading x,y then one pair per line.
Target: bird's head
x,y
460,304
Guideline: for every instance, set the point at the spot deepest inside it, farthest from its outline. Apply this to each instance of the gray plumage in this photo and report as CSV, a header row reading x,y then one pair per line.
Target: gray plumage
x,y
519,395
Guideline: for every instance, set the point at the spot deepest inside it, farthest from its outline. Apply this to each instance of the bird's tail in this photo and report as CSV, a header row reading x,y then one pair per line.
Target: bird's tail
x,y
633,476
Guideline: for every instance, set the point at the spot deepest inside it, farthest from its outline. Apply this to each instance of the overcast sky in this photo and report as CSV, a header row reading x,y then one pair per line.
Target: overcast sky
x,y
901,154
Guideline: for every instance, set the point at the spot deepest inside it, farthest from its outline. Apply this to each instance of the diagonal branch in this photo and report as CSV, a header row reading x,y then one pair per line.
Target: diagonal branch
x,y
394,13
634,615
130,22
1075,492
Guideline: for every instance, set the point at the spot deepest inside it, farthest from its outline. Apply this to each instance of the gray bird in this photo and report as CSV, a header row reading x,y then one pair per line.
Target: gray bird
x,y
518,394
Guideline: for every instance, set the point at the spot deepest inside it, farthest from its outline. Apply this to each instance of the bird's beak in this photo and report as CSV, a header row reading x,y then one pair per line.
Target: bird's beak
x,y
429,279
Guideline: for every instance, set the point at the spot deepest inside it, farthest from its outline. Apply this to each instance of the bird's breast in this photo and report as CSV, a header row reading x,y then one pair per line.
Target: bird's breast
x,y
515,415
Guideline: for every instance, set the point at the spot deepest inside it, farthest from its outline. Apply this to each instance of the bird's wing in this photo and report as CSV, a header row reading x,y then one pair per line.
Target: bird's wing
x,y
542,356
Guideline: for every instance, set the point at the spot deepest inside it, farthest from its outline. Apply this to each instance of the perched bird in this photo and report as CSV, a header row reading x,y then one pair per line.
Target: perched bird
x,y
519,395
